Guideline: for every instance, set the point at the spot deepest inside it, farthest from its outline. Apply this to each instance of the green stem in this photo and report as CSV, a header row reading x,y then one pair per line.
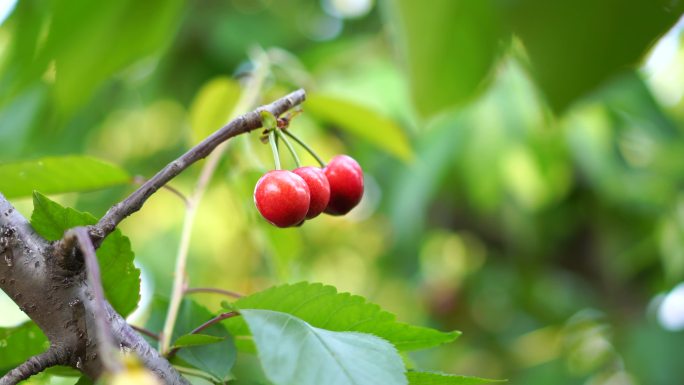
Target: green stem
x,y
274,147
248,99
306,147
289,147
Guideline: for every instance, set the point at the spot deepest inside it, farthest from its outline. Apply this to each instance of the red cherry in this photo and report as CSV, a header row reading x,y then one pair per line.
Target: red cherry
x,y
282,198
318,187
346,184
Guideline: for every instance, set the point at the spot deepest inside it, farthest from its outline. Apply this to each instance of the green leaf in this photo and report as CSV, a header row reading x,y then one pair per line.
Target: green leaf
x,y
361,121
19,343
90,42
432,378
449,48
84,381
217,358
566,61
323,307
196,340
292,352
54,175
120,277
212,107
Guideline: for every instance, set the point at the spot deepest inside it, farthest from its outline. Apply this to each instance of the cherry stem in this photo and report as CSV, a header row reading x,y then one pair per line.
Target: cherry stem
x,y
306,147
274,147
214,290
289,147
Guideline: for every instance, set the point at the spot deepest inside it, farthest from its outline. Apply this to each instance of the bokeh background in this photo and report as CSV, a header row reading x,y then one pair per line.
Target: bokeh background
x,y
524,161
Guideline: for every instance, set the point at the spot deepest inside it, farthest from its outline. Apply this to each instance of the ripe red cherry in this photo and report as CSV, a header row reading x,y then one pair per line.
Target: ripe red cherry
x,y
346,184
318,187
282,198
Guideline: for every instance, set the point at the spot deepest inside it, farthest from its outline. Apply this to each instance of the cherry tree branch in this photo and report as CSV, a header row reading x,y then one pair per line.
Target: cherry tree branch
x,y
52,357
242,124
107,348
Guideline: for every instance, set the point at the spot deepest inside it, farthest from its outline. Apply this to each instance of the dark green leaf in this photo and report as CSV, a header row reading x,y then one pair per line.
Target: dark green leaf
x,y
84,381
323,307
196,340
54,175
449,48
575,45
293,352
432,378
120,277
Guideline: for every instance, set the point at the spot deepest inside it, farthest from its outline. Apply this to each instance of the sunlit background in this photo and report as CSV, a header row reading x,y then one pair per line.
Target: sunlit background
x,y
549,231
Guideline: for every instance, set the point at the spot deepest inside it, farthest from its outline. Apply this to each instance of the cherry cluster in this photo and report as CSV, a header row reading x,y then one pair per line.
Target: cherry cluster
x,y
288,198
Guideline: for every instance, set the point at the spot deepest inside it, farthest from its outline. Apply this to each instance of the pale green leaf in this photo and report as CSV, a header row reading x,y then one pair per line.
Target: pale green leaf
x,y
212,107
293,352
53,175
196,340
433,378
323,307
362,122
120,277
448,47
19,343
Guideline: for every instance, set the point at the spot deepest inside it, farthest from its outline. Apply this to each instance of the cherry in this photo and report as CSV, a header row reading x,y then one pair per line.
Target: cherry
x,y
282,197
346,184
318,187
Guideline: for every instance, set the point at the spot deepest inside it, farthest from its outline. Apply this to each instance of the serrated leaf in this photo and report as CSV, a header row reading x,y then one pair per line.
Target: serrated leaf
x,y
433,378
212,106
218,358
19,343
53,175
362,122
292,352
196,340
120,277
449,48
323,307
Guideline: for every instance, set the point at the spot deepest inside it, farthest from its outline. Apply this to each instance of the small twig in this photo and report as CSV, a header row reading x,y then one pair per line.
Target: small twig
x,y
139,179
208,324
240,125
52,357
227,293
146,332
106,346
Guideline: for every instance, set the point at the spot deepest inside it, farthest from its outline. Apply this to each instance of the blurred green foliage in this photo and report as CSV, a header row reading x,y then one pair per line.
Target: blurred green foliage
x,y
524,166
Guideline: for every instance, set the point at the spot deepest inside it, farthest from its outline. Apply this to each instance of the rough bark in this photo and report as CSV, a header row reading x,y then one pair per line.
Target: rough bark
x,y
53,290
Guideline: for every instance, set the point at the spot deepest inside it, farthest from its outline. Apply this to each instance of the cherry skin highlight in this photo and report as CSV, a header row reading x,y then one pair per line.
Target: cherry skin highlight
x,y
319,188
282,197
346,184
